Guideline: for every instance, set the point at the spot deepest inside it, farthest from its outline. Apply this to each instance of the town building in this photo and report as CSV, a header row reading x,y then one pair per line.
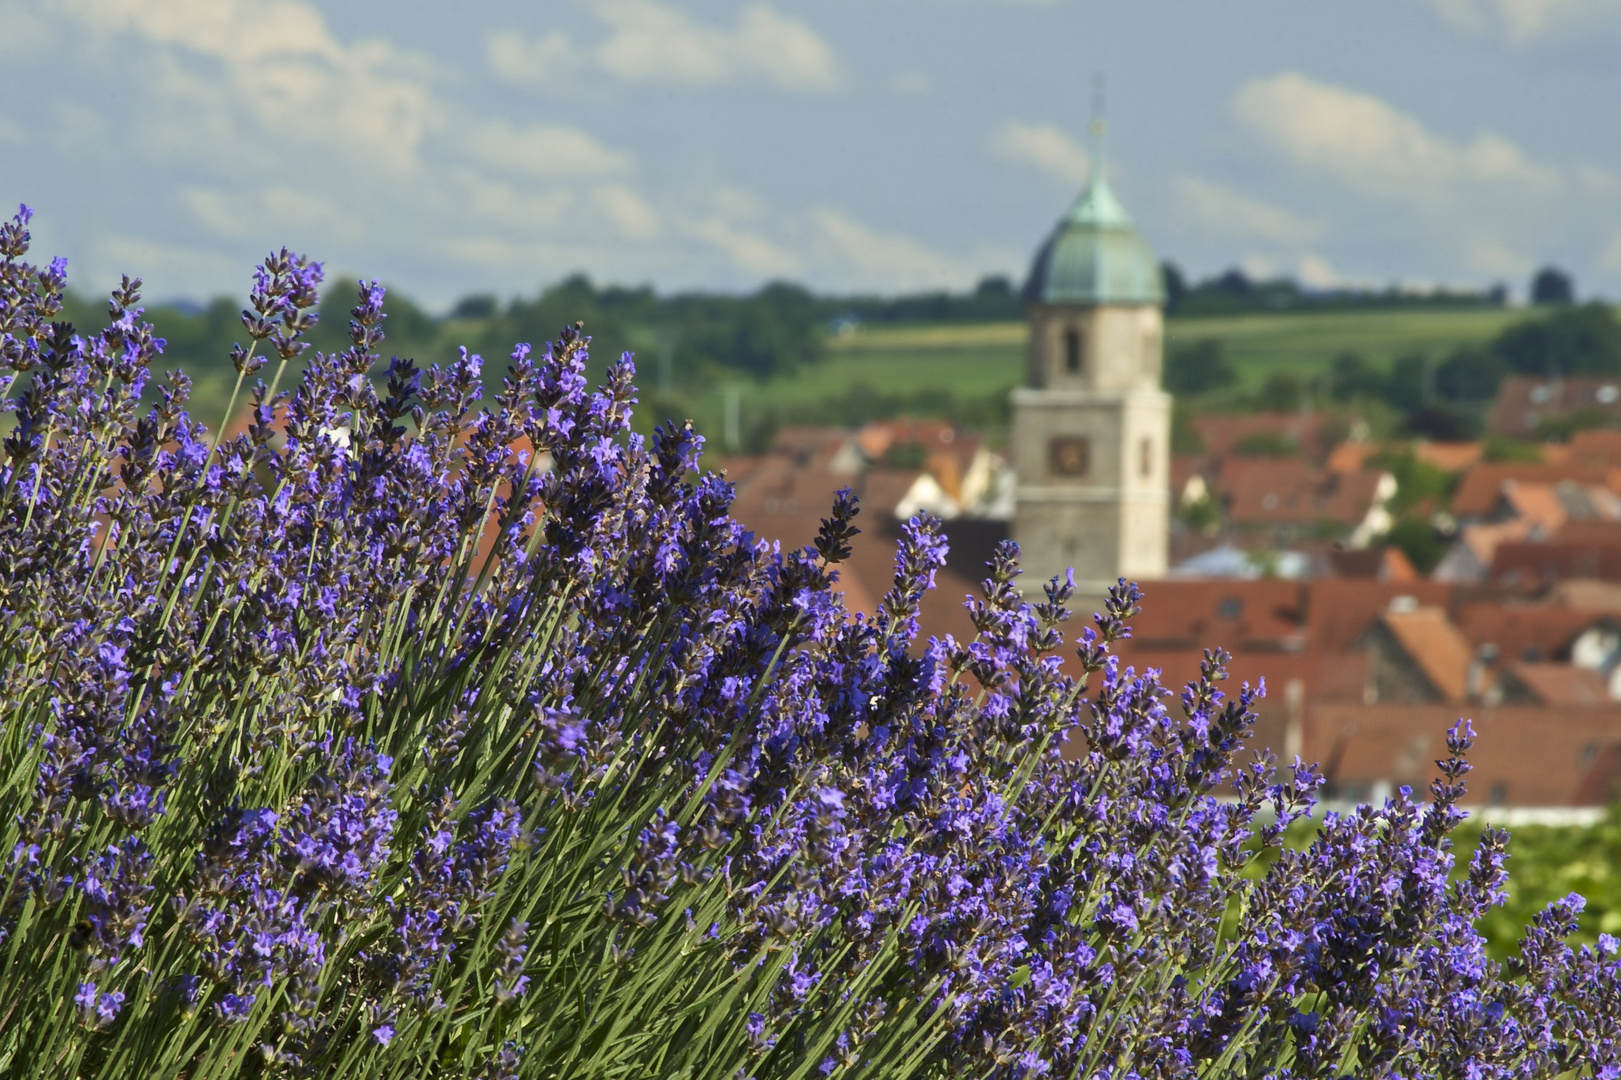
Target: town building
x,y
1091,429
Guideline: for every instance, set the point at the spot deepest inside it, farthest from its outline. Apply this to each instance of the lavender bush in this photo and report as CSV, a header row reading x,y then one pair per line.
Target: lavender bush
x,y
415,733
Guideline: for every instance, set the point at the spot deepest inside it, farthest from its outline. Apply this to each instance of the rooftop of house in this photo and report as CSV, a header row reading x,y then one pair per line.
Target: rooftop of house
x,y
1479,491
1291,491
1428,637
1594,446
1559,684
1523,755
1524,402
1221,433
1384,563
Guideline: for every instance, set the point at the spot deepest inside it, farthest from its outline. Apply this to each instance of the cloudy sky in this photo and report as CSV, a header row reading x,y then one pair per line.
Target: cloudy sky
x,y
882,145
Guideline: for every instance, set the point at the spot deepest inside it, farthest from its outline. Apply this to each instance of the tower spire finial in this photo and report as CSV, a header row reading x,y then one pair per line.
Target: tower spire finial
x,y
1099,89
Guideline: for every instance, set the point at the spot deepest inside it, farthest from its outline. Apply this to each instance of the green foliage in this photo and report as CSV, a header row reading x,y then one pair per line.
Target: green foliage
x,y
1470,374
1552,285
1233,292
1266,444
1200,515
1417,540
1547,862
1501,449
1350,376
1416,481
1583,340
1281,392
1198,369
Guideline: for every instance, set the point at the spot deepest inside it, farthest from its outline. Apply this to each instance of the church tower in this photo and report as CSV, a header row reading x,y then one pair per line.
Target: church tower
x,y
1091,438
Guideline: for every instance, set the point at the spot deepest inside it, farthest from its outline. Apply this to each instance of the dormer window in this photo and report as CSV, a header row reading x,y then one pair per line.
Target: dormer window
x,y
1072,351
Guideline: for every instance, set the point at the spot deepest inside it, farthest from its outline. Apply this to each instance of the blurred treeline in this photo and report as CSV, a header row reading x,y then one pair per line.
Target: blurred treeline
x,y
1234,292
1436,396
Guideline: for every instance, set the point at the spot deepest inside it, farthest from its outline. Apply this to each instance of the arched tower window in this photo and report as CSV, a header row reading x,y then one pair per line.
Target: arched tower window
x,y
1073,357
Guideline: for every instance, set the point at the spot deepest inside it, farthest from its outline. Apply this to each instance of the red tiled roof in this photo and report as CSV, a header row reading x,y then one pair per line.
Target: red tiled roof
x,y
1522,631
1436,646
1538,504
1555,560
1378,563
1601,784
1587,595
1340,611
1450,457
1523,402
1280,491
1560,684
1478,492
1595,446
1350,456
1265,614
1528,755
1221,432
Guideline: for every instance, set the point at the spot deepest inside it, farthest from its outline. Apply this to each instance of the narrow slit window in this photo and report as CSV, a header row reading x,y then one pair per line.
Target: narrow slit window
x,y
1145,457
1072,351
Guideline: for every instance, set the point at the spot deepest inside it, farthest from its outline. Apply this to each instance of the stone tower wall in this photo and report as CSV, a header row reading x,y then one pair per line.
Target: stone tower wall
x,y
1091,447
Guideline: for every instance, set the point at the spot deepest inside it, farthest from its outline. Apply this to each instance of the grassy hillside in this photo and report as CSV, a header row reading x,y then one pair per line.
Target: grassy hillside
x,y
945,370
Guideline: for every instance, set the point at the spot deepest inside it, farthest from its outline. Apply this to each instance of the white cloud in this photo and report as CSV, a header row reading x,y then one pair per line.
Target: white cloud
x,y
1048,148
543,150
287,71
885,261
1521,21
1377,149
21,31
545,61
652,42
747,250
1610,258
910,84
633,215
1222,212
1377,175
243,212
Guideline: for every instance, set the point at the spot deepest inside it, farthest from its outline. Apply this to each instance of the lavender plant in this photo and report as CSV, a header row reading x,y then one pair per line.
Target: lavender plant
x,y
421,731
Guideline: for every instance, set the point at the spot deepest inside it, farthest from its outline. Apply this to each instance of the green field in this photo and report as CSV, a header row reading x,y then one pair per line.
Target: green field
x,y
972,362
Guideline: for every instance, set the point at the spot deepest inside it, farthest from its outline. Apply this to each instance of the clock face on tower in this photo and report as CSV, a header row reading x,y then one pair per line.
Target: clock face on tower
x,y
1069,455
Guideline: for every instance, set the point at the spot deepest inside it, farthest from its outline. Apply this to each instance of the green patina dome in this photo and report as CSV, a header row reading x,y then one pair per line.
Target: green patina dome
x,y
1095,256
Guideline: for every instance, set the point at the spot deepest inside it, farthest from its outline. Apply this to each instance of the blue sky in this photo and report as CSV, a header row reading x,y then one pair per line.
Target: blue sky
x,y
871,145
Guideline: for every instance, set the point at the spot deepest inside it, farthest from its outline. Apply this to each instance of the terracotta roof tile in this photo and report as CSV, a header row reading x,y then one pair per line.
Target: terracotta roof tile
x,y
1523,632
1265,614
1526,563
1436,646
1452,457
1595,446
1560,684
1538,504
1478,493
1340,611
1601,784
1289,491
1222,432
1350,456
1523,402
1378,563
1524,756
1587,595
